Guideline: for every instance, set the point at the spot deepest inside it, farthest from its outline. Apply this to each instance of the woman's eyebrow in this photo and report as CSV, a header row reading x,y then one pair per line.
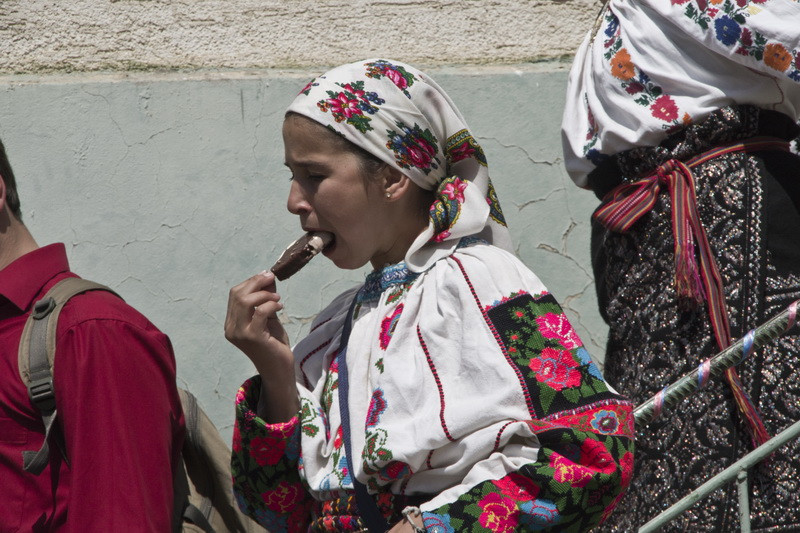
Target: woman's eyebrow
x,y
306,163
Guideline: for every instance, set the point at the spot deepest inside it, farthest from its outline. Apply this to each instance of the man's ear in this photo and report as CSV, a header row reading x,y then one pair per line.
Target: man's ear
x,y
2,193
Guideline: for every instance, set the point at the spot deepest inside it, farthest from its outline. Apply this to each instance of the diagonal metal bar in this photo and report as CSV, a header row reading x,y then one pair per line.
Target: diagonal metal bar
x,y
726,476
681,389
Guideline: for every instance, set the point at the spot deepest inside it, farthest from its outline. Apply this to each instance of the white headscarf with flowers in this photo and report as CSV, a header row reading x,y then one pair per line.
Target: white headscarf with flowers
x,y
401,116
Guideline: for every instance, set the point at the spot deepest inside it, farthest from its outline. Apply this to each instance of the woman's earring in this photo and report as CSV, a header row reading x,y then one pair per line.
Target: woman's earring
x,y
388,195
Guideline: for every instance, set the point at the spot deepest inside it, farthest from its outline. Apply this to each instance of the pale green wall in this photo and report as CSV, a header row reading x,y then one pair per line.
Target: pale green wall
x,y
171,189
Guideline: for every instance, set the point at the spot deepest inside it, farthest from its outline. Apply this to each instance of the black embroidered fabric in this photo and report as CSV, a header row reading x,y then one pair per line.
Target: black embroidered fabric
x,y
748,206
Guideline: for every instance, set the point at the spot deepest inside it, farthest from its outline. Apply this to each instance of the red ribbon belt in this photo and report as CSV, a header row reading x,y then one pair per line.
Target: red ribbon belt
x,y
628,202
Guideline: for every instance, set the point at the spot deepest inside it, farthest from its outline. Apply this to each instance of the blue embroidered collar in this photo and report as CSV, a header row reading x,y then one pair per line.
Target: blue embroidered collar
x,y
379,280
398,274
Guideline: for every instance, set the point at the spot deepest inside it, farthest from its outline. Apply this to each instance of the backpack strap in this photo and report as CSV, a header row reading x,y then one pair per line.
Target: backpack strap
x,y
37,349
199,516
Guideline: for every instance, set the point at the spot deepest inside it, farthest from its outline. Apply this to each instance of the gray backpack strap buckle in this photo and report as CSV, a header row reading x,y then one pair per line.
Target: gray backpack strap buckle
x,y
35,359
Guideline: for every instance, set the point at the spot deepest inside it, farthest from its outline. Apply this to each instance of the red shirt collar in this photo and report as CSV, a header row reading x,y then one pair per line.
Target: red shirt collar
x,y
23,280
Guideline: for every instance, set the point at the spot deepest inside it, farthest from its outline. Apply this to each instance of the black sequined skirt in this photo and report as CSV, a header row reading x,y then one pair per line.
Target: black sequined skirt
x,y
749,204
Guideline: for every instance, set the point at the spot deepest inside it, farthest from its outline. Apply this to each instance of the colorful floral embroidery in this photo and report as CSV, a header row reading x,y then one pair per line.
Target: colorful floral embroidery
x,y
495,212
517,487
556,376
498,513
397,291
399,75
308,414
446,209
437,523
556,368
388,326
377,406
572,487
284,497
350,105
267,450
331,384
413,147
393,471
592,137
539,515
375,456
635,82
585,432
462,145
307,89
728,20
605,422
266,479
553,326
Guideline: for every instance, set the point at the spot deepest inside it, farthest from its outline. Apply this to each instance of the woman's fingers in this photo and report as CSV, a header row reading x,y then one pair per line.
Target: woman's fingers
x,y
251,306
263,315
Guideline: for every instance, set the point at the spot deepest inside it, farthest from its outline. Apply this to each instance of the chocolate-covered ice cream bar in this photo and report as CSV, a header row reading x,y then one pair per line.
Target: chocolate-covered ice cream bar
x,y
300,252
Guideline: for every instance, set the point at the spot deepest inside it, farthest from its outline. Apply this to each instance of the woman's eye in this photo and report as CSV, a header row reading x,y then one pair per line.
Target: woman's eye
x,y
316,177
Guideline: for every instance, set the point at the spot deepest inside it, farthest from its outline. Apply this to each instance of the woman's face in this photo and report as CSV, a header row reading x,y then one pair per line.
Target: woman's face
x,y
329,192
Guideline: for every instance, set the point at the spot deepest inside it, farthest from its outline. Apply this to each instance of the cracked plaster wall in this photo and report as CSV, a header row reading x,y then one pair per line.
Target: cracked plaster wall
x,y
171,189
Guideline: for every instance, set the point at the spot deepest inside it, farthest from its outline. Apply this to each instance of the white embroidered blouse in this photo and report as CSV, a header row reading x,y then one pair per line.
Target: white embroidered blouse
x,y
460,377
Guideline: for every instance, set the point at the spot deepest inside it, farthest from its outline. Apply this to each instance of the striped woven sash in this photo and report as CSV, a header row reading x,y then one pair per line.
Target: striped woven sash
x,y
628,202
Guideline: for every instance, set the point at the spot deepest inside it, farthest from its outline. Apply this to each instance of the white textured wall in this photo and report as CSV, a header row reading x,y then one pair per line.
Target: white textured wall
x,y
81,35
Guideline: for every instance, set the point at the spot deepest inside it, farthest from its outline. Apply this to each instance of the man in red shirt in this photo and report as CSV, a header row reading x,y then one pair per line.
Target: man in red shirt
x,y
118,406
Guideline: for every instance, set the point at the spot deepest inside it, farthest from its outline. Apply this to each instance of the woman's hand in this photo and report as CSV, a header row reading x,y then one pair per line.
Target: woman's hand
x,y
252,325
405,525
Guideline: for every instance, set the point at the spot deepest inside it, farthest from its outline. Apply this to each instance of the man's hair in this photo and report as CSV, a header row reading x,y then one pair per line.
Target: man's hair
x,y
12,198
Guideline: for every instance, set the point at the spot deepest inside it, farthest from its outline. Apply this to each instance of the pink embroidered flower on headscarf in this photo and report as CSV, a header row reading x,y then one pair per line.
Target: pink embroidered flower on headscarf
x,y
455,190
397,78
343,107
421,154
462,151
439,237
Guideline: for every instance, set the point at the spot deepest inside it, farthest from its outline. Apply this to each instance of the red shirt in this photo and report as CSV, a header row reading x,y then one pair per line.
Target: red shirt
x,y
118,408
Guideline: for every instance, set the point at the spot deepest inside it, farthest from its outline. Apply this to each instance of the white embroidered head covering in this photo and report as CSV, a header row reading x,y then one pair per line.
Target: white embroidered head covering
x,y
401,116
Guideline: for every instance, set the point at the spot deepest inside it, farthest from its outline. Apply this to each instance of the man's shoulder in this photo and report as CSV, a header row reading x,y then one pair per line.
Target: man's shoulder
x,y
101,305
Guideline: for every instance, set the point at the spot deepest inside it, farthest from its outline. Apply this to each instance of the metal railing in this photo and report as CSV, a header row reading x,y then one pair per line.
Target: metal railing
x,y
670,395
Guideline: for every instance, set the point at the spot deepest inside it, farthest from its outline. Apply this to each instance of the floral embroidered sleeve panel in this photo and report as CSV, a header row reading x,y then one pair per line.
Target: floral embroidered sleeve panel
x,y
584,430
654,66
265,466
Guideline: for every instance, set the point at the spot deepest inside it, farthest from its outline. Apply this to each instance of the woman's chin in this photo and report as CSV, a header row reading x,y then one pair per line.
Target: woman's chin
x,y
344,261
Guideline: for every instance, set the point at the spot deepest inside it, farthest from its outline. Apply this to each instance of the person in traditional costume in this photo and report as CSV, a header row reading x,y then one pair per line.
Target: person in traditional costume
x,y
679,116
448,392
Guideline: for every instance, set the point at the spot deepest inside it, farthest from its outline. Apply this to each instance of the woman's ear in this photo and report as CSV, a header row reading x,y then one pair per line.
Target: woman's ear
x,y
395,183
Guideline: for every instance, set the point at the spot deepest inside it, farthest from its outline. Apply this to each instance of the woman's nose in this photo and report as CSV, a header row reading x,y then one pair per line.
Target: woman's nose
x,y
297,203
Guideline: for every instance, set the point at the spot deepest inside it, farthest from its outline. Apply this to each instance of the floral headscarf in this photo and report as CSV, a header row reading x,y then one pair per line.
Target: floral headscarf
x,y
401,116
